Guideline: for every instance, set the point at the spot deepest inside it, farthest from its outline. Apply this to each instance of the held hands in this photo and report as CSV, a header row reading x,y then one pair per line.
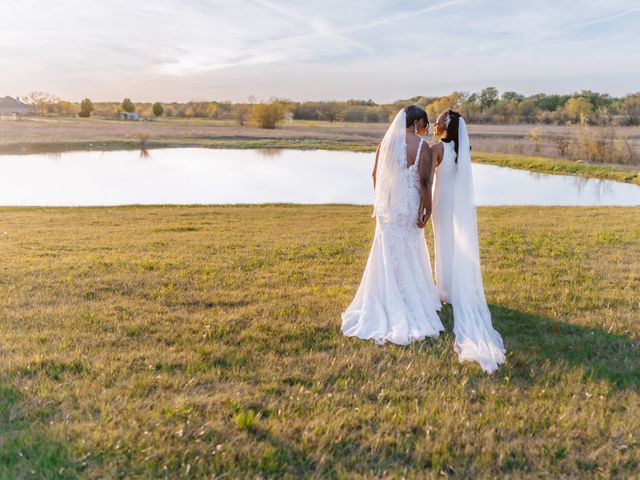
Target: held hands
x,y
423,217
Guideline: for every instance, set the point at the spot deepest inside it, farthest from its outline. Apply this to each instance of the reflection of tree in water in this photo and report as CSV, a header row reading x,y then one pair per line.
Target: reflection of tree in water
x,y
580,183
601,188
538,176
144,153
269,152
53,155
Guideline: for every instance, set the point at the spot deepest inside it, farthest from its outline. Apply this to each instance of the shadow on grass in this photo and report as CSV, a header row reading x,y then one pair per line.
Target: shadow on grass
x,y
26,451
532,341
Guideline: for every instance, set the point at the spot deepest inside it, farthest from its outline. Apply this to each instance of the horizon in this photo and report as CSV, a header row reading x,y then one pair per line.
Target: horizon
x,y
314,52
256,100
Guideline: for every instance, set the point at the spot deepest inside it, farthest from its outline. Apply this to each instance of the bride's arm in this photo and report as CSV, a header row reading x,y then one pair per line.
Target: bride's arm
x,y
375,167
426,180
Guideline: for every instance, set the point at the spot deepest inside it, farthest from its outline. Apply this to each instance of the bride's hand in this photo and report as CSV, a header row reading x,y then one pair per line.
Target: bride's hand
x,y
422,220
423,217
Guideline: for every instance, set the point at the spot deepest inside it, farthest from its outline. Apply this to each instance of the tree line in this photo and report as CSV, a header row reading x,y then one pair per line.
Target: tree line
x,y
486,106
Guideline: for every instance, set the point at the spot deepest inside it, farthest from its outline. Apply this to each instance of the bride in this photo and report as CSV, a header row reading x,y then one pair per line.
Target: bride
x,y
397,300
455,230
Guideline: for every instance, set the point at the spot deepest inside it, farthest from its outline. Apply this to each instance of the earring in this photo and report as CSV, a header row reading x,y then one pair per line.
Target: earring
x,y
415,129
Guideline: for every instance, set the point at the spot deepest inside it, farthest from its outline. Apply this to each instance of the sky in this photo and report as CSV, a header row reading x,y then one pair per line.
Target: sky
x,y
170,50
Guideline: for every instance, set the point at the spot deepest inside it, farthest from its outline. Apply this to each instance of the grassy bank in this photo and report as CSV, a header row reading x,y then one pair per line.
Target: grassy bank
x,y
559,167
181,342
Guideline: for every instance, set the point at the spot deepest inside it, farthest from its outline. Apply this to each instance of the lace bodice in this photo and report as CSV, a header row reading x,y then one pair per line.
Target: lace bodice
x,y
412,171
407,219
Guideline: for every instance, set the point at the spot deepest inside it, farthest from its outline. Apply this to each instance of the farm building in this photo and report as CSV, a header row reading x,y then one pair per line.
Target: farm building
x,y
12,107
129,116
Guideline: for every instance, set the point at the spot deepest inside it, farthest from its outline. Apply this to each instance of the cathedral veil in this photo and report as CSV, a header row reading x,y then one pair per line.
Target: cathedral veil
x,y
391,193
476,339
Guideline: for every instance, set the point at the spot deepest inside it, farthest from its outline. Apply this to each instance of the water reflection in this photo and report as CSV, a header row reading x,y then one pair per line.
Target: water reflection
x,y
270,152
144,154
211,176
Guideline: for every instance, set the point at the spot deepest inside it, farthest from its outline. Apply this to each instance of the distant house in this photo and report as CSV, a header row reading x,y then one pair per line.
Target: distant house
x,y
129,116
12,107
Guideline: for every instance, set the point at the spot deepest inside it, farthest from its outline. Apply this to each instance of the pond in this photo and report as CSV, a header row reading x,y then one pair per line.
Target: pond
x,y
210,176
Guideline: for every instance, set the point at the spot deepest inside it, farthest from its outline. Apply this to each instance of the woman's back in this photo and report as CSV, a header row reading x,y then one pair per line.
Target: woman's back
x,y
446,170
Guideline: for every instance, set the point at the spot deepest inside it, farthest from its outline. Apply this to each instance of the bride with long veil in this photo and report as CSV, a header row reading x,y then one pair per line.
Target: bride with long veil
x,y
397,300
457,256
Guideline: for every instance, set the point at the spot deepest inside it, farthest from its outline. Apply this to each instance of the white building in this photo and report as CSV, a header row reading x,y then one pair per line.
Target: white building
x,y
129,116
13,107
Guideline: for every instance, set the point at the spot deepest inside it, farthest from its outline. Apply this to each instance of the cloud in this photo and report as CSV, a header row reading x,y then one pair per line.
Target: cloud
x,y
564,29
175,49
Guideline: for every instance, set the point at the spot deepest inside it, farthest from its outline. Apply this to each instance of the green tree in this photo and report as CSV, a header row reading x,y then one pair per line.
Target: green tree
x,y
527,110
549,103
86,107
268,115
631,107
488,97
128,106
157,109
578,109
596,99
436,107
512,97
212,110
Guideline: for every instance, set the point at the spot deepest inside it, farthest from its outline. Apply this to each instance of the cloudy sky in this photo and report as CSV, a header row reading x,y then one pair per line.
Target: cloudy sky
x,y
332,49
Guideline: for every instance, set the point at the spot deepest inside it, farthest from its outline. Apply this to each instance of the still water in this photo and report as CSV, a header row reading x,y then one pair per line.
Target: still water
x,y
209,176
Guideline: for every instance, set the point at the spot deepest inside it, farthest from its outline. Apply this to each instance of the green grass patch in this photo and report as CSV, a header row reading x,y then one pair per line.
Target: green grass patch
x,y
559,167
200,341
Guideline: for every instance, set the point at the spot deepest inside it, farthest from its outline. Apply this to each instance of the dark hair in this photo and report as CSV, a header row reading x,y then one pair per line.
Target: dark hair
x,y
452,129
414,112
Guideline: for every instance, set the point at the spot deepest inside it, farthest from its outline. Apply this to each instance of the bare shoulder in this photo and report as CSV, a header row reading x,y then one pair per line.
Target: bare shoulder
x,y
425,148
437,152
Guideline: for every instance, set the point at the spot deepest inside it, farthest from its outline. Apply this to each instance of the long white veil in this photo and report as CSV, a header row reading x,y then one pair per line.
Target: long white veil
x,y
476,339
391,193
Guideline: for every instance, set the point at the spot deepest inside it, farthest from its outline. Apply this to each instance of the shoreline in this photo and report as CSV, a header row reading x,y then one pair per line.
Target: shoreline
x,y
552,166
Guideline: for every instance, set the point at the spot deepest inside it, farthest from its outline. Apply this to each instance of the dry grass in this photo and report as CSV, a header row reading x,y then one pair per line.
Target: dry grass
x,y
60,134
186,342
60,131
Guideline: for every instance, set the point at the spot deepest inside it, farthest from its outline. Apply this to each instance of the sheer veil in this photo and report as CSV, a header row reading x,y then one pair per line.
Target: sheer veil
x,y
476,339
391,193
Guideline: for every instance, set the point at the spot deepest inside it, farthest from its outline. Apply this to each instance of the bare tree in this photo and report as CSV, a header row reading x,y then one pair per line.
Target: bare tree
x,y
562,144
331,111
38,101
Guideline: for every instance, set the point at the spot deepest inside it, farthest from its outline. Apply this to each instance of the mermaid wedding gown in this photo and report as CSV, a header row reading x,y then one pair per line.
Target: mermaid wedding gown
x,y
397,299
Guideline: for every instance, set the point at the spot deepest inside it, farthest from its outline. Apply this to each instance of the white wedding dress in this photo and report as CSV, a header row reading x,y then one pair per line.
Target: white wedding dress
x,y
442,221
457,257
397,299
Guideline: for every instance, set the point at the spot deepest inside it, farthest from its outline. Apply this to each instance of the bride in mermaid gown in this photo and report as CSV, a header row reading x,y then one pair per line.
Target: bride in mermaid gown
x,y
396,300
457,257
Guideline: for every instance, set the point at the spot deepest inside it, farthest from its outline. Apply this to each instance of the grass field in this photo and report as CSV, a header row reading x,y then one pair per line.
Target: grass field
x,y
51,135
204,342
